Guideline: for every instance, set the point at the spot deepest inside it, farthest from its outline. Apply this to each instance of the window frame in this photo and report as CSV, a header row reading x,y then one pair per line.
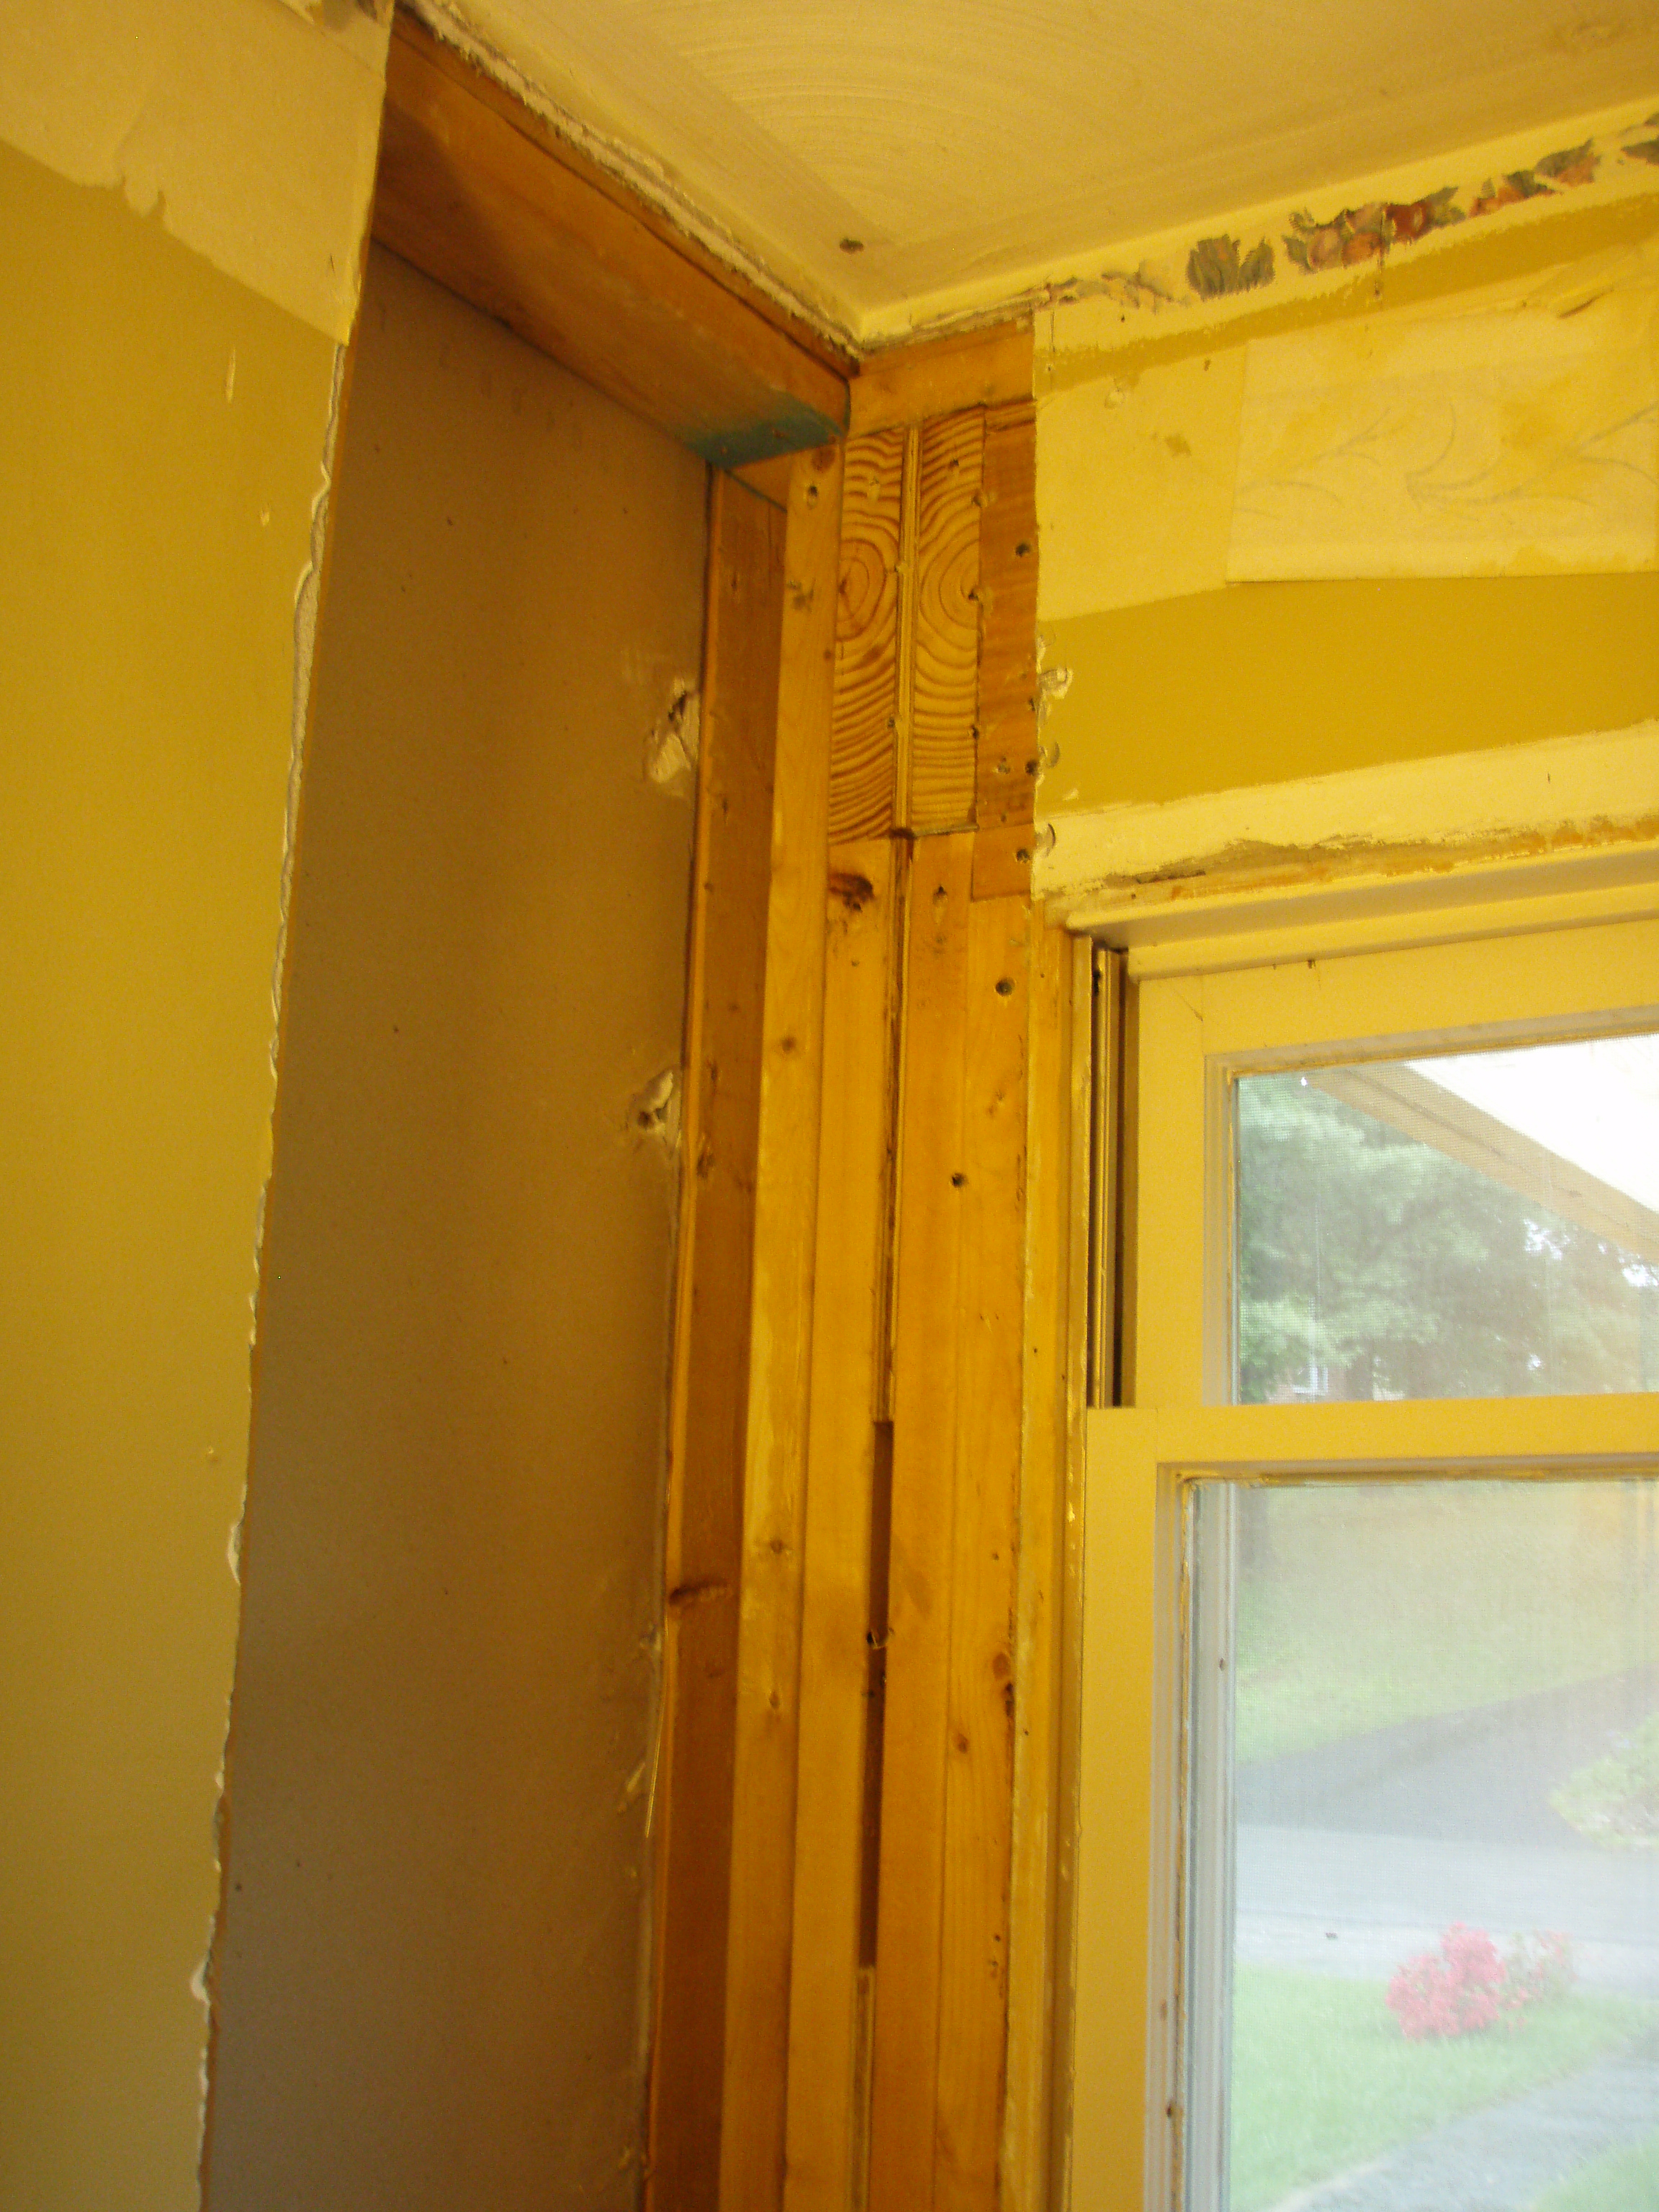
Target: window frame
x,y
1193,1033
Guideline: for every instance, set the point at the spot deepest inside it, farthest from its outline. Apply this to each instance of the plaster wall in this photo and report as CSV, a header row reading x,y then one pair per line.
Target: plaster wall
x,y
161,446
1177,681
432,1957
184,188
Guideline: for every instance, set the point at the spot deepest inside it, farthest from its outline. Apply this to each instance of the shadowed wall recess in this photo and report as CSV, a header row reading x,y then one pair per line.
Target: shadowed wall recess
x,y
433,1948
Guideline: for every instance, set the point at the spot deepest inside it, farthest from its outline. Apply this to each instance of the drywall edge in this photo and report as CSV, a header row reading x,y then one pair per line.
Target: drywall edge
x,y
248,129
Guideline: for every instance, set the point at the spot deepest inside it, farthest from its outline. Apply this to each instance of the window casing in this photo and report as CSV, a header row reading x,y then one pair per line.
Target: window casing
x,y
1138,2107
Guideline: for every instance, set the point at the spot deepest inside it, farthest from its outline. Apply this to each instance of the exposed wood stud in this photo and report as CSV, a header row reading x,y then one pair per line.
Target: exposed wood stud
x,y
941,376
946,579
1002,861
767,1736
824,2121
710,1387
1033,1974
470,190
978,1766
1006,766
863,745
909,587
926,1383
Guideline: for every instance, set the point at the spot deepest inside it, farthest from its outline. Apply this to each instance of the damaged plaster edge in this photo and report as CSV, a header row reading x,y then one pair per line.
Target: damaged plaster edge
x,y
307,595
1402,817
1117,279
633,167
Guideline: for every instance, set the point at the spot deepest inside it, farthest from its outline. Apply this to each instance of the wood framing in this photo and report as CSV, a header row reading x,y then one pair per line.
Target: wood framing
x,y
856,1846
709,1410
475,191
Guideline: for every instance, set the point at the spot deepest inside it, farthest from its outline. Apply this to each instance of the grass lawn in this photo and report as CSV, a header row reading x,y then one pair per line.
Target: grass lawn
x,y
1361,1606
1322,2078
1622,2181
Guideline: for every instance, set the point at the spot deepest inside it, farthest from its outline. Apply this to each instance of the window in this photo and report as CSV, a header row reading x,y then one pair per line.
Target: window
x,y
1370,1763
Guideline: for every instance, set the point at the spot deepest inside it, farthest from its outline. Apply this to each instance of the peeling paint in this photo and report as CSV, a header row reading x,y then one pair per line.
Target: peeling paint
x,y
671,751
248,131
1598,789
1263,255
654,1112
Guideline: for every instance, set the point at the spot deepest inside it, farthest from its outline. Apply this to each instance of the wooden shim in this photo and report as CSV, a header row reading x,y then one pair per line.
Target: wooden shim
x,y
824,2117
1031,1964
940,376
1006,765
756,2027
945,590
469,190
979,1759
921,1542
709,1383
863,745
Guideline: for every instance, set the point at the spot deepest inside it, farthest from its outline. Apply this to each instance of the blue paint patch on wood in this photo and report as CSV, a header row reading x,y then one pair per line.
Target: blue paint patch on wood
x,y
791,427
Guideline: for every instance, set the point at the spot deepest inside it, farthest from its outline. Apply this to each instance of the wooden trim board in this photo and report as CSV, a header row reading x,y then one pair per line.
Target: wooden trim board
x,y
471,190
709,1387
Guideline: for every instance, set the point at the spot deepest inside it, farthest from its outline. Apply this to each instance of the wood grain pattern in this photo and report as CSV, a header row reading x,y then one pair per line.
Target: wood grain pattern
x,y
472,194
1037,1655
1002,861
978,1766
709,1392
1007,764
766,1748
922,1547
939,787
824,2117
863,744
941,376
408,30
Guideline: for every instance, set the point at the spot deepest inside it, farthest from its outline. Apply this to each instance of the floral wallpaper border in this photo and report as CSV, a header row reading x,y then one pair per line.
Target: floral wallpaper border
x,y
1222,267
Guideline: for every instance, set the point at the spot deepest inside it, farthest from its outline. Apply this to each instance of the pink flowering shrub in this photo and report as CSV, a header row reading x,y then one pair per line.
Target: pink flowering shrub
x,y
1465,1986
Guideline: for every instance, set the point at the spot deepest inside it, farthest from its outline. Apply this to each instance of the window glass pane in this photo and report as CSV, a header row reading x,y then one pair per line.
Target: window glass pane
x,y
1484,1225
1422,1917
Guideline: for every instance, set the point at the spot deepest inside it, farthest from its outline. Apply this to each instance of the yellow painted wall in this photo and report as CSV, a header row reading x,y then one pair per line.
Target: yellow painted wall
x,y
155,522
434,1949
1181,683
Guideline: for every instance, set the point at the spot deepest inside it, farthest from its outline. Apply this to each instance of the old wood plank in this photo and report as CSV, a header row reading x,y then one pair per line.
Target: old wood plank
x,y
471,191
941,376
824,2117
409,30
940,784
1006,762
771,479
708,1405
978,1766
766,1751
1002,861
863,740
1032,1960
921,1549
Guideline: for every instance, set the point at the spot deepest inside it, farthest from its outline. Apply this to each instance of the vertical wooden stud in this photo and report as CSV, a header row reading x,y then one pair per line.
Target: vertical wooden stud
x,y
978,1752
922,1554
824,2119
709,1396
761,1913
1033,1978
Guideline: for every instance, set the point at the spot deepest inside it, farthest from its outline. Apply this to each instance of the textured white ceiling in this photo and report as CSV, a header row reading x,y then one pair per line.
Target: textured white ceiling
x,y
970,146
